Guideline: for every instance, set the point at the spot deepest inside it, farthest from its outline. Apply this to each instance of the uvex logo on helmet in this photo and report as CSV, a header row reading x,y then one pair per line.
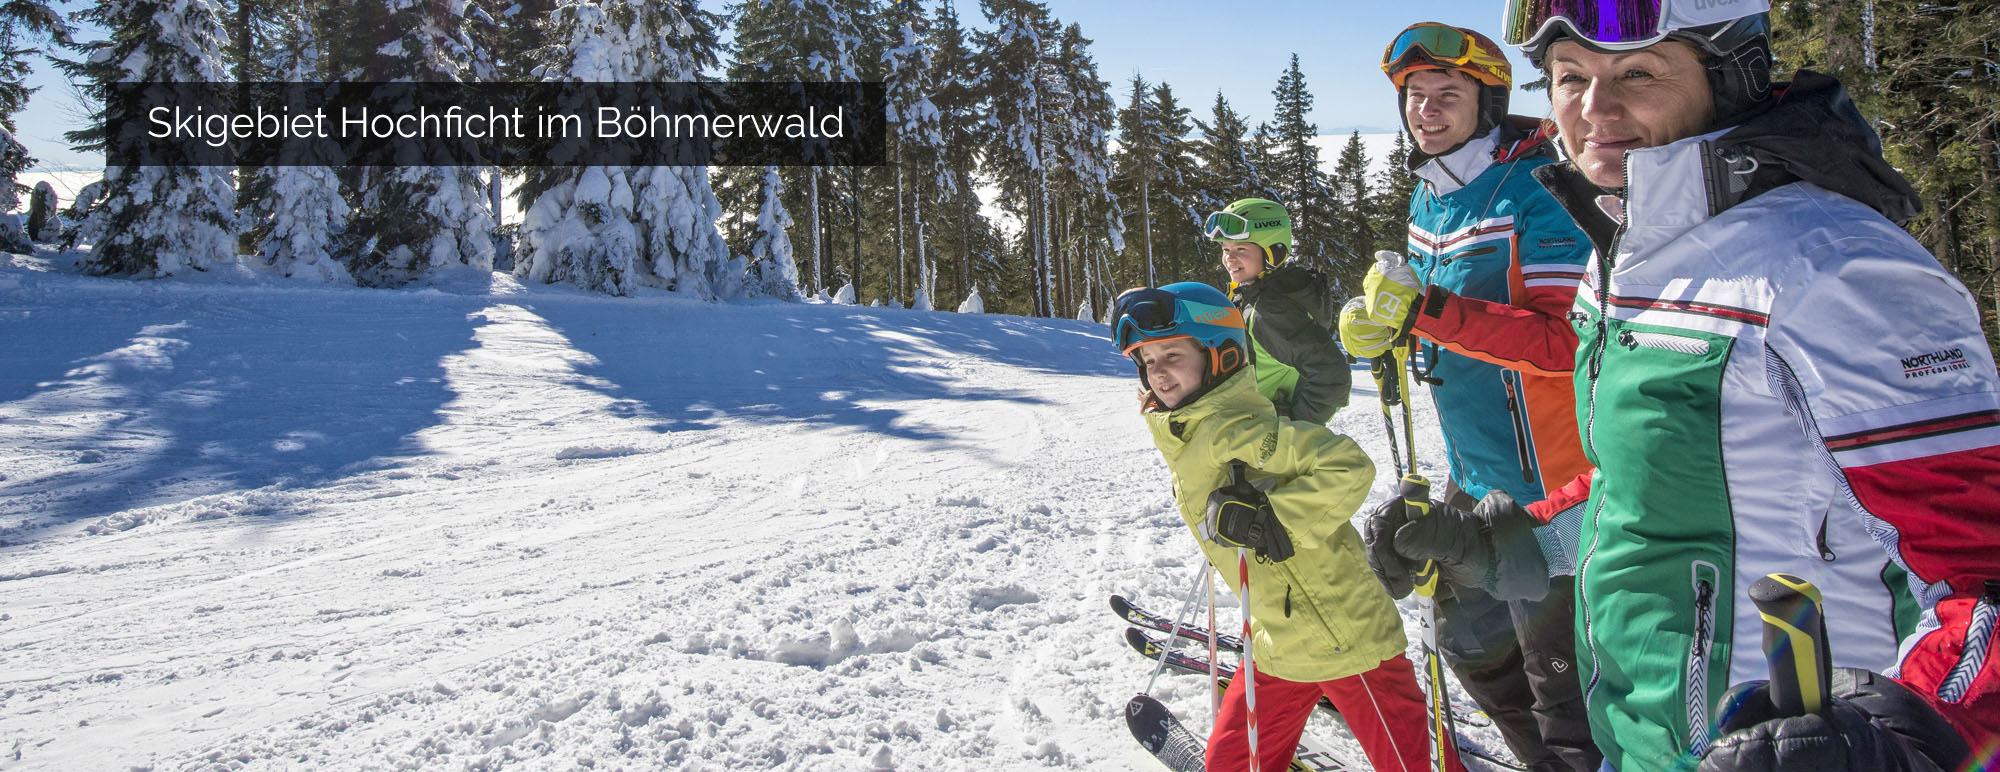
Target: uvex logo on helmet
x,y
1262,224
1217,315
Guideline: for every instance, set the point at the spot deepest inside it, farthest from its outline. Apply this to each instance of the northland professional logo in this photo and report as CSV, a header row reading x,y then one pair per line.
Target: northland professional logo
x,y
1935,362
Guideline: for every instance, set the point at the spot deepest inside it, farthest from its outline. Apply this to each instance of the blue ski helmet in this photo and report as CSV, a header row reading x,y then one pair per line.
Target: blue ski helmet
x,y
1191,310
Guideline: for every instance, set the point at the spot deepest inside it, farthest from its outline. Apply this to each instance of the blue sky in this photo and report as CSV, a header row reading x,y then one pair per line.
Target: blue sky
x,y
1198,47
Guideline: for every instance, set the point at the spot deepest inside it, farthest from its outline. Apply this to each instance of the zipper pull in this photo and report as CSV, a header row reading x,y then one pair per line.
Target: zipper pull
x,y
1628,339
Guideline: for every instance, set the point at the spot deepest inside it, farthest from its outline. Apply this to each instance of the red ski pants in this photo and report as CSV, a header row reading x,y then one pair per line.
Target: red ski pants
x,y
1382,707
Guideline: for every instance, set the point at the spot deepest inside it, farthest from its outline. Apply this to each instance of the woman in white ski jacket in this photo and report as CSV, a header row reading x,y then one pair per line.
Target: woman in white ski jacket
x,y
1771,376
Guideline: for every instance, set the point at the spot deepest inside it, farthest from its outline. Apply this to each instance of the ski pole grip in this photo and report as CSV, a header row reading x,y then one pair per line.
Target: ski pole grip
x,y
1794,643
1415,491
1239,472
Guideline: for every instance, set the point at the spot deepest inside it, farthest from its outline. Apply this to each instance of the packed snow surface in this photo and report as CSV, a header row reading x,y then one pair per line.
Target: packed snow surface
x,y
492,526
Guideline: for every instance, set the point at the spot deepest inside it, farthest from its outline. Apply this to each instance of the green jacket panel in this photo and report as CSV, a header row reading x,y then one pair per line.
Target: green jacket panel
x,y
1320,615
1299,367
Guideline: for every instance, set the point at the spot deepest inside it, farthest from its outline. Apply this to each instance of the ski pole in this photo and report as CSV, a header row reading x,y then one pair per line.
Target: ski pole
x,y
1415,491
1794,643
1249,673
1187,605
1238,476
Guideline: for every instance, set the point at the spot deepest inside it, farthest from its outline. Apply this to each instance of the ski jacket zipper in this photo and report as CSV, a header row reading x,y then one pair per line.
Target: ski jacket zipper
x,y
1697,667
1515,410
1603,292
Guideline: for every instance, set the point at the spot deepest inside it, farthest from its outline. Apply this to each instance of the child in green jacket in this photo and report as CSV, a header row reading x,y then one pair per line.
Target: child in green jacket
x,y
1320,623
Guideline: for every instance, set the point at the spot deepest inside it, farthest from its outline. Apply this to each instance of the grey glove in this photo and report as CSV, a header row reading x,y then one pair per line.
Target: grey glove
x,y
1378,539
1492,548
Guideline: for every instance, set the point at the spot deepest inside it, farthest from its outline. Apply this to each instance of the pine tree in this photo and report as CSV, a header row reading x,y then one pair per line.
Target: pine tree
x,y
806,41
300,216
681,247
423,222
1090,225
1139,167
580,226
19,21
1016,55
914,126
960,125
1393,188
154,221
1355,208
1190,257
1227,154
774,270
1304,189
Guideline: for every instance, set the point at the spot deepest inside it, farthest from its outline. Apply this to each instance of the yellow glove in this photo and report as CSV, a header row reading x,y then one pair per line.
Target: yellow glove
x,y
1372,324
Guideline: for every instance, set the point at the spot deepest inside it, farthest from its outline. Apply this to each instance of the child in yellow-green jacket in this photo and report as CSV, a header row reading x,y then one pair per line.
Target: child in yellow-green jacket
x,y
1320,623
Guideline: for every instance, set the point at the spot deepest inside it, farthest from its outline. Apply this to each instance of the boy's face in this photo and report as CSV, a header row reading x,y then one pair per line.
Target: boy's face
x,y
1243,260
1441,108
1173,369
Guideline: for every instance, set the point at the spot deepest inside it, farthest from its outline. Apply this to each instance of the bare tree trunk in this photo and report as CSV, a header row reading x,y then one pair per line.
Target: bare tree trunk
x,y
818,279
1989,158
896,287
854,221
1146,219
965,198
926,279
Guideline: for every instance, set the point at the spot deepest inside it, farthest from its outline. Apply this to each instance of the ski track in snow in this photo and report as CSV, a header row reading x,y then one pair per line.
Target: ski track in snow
x,y
508,527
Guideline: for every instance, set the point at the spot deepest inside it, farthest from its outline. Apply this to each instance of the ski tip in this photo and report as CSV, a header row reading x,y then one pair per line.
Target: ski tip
x,y
1119,605
1139,640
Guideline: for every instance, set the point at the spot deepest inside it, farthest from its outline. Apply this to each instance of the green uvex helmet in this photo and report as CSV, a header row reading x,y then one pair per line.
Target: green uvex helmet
x,y
1258,221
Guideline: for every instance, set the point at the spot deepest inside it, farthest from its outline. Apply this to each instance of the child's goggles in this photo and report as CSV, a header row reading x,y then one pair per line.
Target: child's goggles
x,y
1143,315
1223,226
1438,43
1615,25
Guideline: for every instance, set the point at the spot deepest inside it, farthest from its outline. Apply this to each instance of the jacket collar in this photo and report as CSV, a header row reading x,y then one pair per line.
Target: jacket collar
x,y
1171,428
1667,191
1451,171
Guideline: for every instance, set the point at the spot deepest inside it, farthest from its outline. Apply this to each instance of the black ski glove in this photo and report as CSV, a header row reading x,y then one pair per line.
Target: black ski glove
x,y
1492,548
1871,723
1239,515
1378,538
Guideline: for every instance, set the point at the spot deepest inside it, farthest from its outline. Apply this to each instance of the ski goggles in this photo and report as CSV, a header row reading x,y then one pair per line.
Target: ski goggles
x,y
1438,43
1614,25
1223,226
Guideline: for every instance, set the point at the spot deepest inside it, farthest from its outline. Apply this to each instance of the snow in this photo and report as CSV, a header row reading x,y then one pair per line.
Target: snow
x,y
501,525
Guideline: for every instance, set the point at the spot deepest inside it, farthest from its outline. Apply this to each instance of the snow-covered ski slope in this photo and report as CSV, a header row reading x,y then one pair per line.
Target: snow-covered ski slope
x,y
504,527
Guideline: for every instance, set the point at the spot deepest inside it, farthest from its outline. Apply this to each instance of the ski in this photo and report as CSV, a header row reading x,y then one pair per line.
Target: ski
x,y
1196,663
1162,734
1131,612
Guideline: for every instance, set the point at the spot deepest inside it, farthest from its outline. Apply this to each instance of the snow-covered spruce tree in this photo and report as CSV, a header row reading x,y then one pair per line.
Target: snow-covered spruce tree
x,y
1229,169
1016,56
1188,255
14,159
681,248
580,227
960,122
773,269
804,41
166,220
1089,221
301,215
919,149
20,20
1138,163
418,223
